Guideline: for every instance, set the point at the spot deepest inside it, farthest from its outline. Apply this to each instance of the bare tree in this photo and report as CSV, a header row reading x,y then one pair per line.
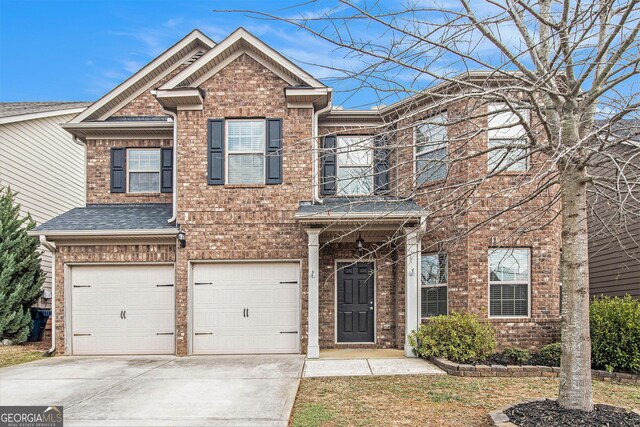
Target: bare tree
x,y
566,73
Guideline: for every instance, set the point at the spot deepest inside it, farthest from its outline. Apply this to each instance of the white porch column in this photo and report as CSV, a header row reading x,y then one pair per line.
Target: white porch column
x,y
313,347
412,287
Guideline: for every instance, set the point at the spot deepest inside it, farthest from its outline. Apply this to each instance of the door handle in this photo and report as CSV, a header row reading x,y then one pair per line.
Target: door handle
x,y
125,315
247,312
244,312
122,314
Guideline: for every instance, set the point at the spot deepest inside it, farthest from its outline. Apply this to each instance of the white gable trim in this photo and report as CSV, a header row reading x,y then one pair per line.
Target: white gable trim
x,y
146,87
242,35
190,38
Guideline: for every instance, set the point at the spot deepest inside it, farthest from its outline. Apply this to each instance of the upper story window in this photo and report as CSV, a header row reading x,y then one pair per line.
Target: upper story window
x,y
431,150
355,165
509,282
245,141
434,284
505,133
143,166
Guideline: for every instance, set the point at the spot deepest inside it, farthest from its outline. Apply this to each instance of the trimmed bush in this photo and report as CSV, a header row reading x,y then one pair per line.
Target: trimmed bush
x,y
459,337
518,355
549,355
615,334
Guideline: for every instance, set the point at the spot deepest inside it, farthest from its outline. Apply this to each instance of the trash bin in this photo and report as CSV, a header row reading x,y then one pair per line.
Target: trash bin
x,y
40,318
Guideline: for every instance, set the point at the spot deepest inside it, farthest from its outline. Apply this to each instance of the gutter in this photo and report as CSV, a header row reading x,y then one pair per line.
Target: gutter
x,y
174,214
315,196
51,247
115,233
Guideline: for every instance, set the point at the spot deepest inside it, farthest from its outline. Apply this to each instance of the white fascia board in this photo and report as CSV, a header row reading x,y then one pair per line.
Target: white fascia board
x,y
191,37
42,115
236,36
52,234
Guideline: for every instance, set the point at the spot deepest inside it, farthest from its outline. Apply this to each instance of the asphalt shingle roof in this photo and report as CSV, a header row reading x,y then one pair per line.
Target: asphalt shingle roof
x,y
367,205
8,109
152,216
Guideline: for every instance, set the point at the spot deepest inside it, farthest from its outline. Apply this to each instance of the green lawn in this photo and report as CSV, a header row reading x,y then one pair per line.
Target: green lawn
x,y
16,354
427,400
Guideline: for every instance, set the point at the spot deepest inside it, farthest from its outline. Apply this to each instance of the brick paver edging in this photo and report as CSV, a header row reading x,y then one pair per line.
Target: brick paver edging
x,y
464,370
499,418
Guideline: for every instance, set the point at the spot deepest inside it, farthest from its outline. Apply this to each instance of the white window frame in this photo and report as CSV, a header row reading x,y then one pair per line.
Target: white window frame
x,y
128,151
437,285
511,282
431,121
370,166
227,152
511,134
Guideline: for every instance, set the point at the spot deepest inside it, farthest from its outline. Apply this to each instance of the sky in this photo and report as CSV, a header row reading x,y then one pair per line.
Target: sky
x,y
78,50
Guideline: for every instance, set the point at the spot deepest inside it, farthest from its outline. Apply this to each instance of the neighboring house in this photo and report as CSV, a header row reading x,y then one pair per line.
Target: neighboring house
x,y
40,161
614,235
214,226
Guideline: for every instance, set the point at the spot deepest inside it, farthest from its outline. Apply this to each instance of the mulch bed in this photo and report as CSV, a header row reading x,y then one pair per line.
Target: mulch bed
x,y
547,413
503,359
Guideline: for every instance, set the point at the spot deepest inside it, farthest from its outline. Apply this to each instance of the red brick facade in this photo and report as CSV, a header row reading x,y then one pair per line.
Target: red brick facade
x,y
256,222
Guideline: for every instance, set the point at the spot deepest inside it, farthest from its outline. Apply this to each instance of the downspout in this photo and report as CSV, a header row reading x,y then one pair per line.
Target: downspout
x,y
173,115
315,196
51,247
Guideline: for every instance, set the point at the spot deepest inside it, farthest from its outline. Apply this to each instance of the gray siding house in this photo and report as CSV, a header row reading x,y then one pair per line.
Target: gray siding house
x,y
40,161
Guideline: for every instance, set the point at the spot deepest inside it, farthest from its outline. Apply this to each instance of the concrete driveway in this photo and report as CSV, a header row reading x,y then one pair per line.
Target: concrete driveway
x,y
159,391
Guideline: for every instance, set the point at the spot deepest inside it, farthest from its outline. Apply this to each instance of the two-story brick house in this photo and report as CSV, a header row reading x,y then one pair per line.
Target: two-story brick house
x,y
230,209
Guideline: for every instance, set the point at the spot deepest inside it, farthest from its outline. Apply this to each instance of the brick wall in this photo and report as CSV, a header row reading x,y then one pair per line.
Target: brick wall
x,y
99,171
237,222
102,254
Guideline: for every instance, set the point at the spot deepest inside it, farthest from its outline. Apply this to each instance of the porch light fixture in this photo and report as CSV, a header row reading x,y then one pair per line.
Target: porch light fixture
x,y
360,243
182,238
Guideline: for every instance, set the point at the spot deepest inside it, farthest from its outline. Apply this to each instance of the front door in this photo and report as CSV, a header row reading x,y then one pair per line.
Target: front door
x,y
355,302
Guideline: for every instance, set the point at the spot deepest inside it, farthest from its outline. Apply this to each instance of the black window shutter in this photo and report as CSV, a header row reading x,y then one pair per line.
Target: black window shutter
x,y
215,152
273,151
328,169
166,170
118,172
382,165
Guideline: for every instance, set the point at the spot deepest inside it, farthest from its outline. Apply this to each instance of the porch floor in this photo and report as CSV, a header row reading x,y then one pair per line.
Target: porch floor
x,y
348,363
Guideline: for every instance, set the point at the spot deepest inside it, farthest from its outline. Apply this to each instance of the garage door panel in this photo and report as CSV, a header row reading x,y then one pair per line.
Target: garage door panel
x,y
270,292
119,309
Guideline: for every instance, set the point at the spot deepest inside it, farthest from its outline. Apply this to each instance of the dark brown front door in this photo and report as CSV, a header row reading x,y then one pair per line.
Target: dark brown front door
x,y
355,302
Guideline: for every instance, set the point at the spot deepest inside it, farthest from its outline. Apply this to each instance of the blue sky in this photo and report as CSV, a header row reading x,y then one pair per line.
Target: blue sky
x,y
78,50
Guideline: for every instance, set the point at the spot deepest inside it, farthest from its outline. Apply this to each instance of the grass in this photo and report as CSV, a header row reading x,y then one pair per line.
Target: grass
x,y
428,400
16,354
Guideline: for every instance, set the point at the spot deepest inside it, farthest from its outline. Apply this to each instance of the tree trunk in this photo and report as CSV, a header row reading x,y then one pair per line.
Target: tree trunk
x,y
575,367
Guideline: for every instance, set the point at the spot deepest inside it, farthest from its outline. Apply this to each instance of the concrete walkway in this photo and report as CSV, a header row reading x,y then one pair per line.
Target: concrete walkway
x,y
159,391
342,367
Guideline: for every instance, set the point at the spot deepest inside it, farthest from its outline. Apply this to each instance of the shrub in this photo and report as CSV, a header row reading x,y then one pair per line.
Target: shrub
x,y
459,337
615,334
549,355
518,355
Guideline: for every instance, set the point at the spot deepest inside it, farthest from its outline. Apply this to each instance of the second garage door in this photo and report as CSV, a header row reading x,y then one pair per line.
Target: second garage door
x,y
246,308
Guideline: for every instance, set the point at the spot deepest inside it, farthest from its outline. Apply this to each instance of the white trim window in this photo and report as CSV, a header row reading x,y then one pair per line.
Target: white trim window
x,y
505,132
143,170
433,286
245,147
431,140
509,282
355,166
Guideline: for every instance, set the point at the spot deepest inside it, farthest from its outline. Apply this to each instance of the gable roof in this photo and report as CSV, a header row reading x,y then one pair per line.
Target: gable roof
x,y
19,111
237,43
191,46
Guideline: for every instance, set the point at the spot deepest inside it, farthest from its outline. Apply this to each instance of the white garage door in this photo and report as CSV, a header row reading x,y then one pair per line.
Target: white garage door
x,y
246,308
123,309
